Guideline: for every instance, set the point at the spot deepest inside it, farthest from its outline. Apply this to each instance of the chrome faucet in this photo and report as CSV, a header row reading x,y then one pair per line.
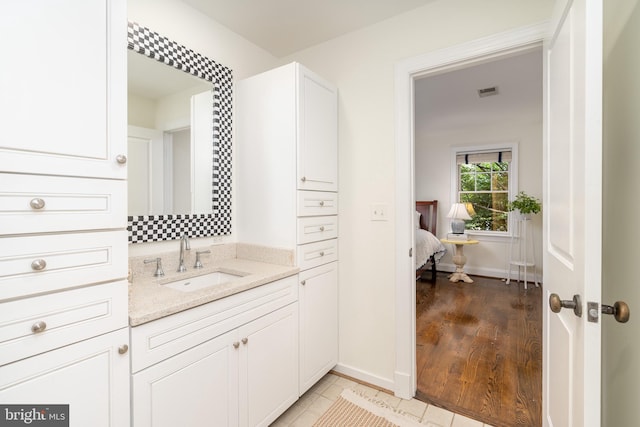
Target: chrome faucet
x,y
184,245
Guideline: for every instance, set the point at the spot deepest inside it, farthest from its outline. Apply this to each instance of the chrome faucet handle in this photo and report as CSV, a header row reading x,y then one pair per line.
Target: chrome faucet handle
x,y
198,263
159,272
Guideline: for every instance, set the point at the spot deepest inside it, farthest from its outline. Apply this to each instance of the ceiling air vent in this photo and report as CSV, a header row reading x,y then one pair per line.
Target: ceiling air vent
x,y
488,91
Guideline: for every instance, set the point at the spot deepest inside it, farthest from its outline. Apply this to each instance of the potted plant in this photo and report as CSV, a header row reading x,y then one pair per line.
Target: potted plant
x,y
524,204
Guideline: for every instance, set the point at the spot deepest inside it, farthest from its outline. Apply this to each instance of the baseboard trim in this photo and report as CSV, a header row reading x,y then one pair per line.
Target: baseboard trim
x,y
364,377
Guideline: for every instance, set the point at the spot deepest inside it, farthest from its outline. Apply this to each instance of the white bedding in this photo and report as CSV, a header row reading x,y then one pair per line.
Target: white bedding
x,y
426,245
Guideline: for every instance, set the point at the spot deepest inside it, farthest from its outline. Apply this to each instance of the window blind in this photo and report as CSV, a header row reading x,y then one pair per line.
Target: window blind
x,y
483,157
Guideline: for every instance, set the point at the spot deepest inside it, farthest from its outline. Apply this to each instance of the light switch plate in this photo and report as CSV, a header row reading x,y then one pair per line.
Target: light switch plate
x,y
379,212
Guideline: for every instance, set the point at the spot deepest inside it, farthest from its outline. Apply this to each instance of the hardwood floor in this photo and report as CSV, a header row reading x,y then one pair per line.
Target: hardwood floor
x,y
479,349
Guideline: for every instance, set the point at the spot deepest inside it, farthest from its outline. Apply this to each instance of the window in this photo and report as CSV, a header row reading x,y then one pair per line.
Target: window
x,y
485,182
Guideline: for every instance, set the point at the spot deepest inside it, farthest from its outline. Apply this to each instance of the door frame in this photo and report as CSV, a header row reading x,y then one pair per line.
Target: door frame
x,y
406,71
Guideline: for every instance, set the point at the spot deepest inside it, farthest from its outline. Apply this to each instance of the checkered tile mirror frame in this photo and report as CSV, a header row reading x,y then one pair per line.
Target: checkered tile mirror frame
x,y
151,228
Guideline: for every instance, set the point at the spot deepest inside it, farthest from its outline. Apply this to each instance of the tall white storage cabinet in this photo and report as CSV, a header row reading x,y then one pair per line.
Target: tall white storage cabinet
x,y
63,245
287,181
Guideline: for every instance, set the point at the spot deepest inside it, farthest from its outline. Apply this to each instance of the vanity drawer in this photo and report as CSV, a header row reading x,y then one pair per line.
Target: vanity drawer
x,y
34,325
316,228
314,203
39,203
44,263
318,253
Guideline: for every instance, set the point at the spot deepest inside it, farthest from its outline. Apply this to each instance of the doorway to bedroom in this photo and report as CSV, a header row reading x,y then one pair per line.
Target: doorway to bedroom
x,y
478,345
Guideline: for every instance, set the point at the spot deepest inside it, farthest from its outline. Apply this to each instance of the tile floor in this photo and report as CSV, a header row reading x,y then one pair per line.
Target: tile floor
x,y
317,400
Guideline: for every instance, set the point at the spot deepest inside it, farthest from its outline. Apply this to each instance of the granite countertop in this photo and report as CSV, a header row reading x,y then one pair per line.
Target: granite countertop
x,y
149,299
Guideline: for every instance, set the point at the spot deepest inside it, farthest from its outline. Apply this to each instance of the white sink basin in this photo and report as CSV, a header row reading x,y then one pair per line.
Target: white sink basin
x,y
201,282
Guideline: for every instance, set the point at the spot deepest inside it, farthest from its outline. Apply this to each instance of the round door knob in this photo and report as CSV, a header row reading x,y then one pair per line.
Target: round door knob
x,y
236,344
121,159
37,203
556,304
38,327
244,340
620,311
123,349
38,264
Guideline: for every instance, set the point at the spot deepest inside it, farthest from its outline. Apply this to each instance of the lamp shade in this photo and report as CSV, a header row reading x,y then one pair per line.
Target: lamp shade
x,y
458,213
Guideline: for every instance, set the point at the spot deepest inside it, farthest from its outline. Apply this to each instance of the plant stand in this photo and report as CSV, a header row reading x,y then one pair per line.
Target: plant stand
x,y
522,252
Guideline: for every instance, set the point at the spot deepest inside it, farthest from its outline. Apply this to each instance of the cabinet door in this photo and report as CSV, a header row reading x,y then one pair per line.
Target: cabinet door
x,y
268,362
318,323
63,87
317,133
90,376
195,388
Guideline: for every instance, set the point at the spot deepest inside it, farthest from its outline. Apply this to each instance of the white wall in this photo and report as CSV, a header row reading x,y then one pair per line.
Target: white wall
x,y
185,25
362,64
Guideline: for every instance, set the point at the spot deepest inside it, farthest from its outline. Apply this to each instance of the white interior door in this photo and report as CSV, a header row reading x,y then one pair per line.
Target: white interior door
x,y
572,213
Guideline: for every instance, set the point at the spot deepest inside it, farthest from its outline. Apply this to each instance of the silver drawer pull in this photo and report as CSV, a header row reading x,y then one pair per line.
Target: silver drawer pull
x,y
121,159
37,203
322,228
321,202
38,327
38,264
123,349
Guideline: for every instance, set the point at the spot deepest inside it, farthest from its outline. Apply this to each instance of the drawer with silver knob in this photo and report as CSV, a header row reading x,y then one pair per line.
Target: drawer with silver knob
x,y
34,325
317,253
38,203
316,228
312,203
50,262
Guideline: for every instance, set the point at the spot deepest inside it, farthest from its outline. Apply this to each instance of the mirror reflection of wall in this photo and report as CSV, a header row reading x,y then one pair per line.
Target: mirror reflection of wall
x,y
170,139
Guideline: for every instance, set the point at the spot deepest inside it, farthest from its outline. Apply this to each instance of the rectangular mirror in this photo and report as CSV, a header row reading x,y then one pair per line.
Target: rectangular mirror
x,y
180,112
170,139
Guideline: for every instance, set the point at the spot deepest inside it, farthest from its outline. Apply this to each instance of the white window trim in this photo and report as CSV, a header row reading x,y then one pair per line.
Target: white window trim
x,y
513,182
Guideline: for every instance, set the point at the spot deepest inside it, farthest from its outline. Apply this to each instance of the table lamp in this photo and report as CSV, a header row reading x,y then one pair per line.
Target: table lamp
x,y
458,213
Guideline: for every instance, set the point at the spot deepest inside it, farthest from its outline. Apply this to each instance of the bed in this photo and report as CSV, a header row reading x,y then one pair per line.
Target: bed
x,y
429,249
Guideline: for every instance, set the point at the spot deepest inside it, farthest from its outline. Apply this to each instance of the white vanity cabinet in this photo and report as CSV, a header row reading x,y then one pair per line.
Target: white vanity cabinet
x,y
90,376
57,102
287,174
227,363
63,294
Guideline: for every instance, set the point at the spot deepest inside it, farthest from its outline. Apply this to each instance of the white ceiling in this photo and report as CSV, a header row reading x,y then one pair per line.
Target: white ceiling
x,y
282,27
450,100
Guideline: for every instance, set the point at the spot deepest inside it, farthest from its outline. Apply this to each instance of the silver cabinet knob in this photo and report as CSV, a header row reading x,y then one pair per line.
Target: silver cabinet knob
x,y
38,264
236,344
304,282
123,349
322,253
303,179
37,203
322,228
321,202
38,327
244,340
121,159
